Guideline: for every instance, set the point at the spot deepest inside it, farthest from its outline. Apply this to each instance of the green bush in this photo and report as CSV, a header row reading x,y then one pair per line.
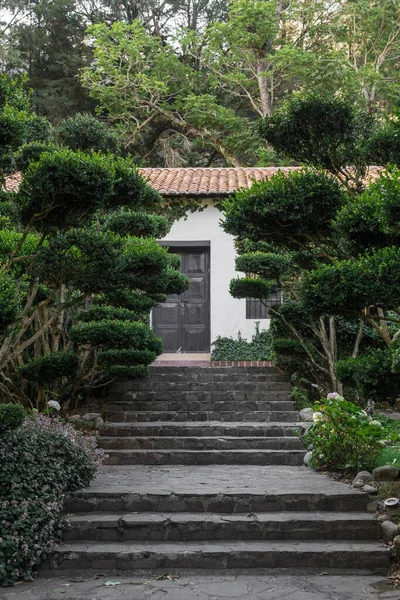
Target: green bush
x,y
342,437
113,313
118,334
11,416
51,367
230,349
139,224
111,358
248,287
30,153
266,264
85,132
63,188
371,376
38,466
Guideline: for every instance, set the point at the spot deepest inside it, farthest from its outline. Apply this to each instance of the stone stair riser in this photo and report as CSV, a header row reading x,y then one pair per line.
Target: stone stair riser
x,y
182,429
213,503
201,443
205,457
174,529
219,387
145,416
200,406
230,558
202,396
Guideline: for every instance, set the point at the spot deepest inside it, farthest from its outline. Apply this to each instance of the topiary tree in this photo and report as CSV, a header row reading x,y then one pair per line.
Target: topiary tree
x,y
326,239
81,269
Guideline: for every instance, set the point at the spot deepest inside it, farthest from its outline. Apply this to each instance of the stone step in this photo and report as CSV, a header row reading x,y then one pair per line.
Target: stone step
x,y
214,488
201,406
202,429
108,527
153,416
201,443
205,457
220,555
141,386
203,396
186,370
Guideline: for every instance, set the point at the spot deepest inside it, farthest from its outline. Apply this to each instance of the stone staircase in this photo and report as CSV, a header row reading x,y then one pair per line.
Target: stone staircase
x,y
205,471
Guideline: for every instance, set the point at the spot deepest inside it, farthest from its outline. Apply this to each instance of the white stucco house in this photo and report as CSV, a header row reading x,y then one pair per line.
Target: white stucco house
x,y
191,322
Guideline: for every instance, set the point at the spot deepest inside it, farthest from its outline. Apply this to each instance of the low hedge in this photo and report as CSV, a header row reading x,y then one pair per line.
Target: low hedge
x,y
240,349
41,460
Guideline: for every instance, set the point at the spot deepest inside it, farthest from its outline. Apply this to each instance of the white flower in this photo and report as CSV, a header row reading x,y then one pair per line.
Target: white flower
x,y
317,416
334,396
375,423
54,404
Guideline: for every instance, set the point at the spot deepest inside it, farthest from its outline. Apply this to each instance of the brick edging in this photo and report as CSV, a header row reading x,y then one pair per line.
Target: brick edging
x,y
241,363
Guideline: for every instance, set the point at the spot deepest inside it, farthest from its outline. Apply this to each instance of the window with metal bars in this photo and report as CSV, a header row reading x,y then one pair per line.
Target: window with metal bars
x,y
257,310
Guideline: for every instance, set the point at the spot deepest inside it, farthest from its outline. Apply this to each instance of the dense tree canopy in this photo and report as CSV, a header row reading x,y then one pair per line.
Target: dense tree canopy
x,y
329,240
80,267
186,81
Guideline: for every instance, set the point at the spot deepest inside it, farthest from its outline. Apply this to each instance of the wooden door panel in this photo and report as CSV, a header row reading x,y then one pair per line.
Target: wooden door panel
x,y
183,321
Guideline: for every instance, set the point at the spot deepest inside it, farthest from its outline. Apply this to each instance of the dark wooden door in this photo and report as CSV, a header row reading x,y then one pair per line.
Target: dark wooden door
x,y
183,321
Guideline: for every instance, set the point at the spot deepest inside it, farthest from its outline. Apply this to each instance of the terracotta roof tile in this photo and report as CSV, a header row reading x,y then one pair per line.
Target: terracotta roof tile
x,y
13,182
199,181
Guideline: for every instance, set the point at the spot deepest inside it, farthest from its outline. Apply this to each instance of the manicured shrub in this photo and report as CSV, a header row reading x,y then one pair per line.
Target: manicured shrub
x,y
40,461
371,375
248,287
113,313
240,349
343,438
85,132
118,334
51,367
11,416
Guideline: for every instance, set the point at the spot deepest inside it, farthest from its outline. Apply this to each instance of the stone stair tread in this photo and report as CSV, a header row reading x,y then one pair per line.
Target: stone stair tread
x,y
222,451
232,424
315,554
188,517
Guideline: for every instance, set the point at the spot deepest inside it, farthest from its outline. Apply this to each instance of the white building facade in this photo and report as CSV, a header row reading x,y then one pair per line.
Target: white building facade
x,y
189,323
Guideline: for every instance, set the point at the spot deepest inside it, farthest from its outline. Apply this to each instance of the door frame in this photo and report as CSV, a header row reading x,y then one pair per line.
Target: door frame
x,y
195,245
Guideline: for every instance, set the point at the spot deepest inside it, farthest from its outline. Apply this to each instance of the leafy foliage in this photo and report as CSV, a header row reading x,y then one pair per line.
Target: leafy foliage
x,y
371,375
40,463
85,132
11,416
51,367
240,349
342,437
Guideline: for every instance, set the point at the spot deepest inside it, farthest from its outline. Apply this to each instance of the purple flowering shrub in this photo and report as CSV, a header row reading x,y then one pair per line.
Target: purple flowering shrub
x,y
88,443
41,460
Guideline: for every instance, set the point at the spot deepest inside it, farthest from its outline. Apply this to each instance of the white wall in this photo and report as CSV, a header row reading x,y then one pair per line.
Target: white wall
x,y
228,315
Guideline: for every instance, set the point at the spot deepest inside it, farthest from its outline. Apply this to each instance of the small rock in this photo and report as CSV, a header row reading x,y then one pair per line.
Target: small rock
x,y
370,489
385,473
389,531
306,414
364,477
396,543
75,418
358,484
91,417
98,423
307,458
372,506
383,518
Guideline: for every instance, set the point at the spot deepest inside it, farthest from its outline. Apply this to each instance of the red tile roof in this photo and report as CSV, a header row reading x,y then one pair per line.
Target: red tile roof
x,y
13,182
199,181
